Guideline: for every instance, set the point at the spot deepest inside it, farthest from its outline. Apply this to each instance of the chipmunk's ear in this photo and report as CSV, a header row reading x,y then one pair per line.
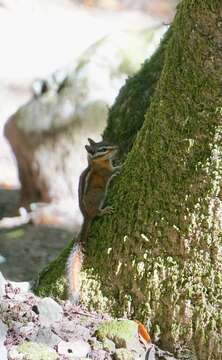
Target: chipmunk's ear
x,y
91,142
88,148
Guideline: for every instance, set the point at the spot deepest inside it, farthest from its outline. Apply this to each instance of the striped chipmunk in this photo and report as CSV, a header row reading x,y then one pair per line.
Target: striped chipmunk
x,y
93,185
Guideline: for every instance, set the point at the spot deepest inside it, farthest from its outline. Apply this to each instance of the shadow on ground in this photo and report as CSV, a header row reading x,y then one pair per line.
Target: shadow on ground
x,y
27,249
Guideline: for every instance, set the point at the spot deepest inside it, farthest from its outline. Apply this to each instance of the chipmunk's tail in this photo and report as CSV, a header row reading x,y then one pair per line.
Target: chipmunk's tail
x,y
75,261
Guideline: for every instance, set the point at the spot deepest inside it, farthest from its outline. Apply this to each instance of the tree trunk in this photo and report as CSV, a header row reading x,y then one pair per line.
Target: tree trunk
x,y
158,257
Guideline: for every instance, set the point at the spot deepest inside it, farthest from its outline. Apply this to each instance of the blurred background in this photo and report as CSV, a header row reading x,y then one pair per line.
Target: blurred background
x,y
62,64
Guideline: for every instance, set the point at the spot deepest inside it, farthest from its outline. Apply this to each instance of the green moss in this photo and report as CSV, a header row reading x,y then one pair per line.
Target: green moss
x,y
121,332
52,279
127,114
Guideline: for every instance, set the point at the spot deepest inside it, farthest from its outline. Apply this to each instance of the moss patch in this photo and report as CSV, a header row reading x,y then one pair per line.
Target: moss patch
x,y
52,281
121,332
128,113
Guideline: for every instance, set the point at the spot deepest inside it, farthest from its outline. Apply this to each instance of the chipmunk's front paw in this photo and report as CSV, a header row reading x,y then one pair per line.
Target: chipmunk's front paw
x,y
117,170
107,210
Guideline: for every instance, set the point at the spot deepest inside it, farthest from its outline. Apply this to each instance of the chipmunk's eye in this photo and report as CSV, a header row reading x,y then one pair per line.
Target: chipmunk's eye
x,y
102,149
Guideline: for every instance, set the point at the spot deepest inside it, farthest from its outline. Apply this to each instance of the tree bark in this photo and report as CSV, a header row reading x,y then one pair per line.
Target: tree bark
x,y
158,257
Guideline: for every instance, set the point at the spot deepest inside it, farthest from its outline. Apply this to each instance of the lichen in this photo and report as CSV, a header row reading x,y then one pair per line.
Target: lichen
x,y
34,351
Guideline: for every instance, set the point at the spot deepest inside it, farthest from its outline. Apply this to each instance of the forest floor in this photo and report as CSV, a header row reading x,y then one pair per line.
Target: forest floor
x,y
40,329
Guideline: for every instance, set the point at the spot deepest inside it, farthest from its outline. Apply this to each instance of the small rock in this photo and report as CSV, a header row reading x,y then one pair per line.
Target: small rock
x,y
77,348
13,313
32,351
24,286
100,355
49,311
46,336
123,354
71,330
16,290
28,331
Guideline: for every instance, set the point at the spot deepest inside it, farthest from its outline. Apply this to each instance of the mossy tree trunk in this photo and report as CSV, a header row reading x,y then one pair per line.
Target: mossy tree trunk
x,y
158,257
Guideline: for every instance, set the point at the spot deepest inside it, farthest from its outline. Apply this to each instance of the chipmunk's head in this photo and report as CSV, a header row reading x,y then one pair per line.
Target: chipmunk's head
x,y
100,150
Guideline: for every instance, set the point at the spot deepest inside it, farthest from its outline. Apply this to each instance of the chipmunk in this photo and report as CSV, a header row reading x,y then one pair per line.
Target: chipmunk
x,y
93,185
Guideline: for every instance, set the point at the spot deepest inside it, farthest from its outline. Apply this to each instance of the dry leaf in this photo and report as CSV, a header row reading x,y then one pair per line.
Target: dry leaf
x,y
143,333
